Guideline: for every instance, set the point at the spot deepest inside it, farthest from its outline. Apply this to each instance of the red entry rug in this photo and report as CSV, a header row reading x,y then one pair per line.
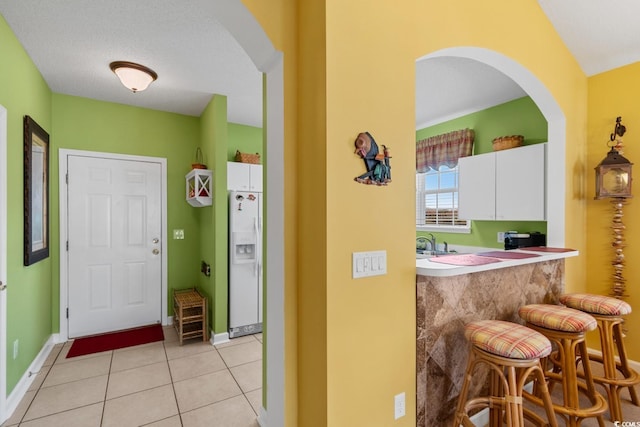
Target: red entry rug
x,y
115,340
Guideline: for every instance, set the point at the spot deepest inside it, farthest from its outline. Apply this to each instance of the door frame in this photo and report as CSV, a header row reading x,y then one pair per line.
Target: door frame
x,y
3,264
63,153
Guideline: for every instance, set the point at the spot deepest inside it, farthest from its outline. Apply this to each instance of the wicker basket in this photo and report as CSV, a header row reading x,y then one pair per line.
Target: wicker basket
x,y
198,163
506,142
248,158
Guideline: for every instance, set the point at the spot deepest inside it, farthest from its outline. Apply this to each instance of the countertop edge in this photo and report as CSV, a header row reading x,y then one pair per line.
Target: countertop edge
x,y
454,270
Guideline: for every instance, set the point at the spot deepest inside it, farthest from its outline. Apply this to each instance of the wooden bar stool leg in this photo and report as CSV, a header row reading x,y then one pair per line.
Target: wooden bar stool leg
x,y
460,416
624,361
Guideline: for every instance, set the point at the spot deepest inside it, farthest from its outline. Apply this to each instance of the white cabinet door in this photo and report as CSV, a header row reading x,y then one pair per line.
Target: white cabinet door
x,y
520,183
477,187
238,176
507,185
244,177
255,177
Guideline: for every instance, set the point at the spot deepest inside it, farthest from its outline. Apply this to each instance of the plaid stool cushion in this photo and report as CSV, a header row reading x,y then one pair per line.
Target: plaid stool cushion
x,y
557,318
507,339
596,304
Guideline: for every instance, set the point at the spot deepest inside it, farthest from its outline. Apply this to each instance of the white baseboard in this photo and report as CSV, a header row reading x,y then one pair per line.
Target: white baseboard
x,y
169,321
219,338
18,392
262,418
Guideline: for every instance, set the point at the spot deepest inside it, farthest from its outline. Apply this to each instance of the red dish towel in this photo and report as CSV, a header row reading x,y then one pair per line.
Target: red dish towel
x,y
465,259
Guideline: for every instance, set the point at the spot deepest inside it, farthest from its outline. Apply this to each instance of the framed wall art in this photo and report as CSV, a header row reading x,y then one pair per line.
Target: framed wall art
x,y
36,192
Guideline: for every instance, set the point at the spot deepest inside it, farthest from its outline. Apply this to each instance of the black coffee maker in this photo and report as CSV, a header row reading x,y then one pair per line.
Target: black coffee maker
x,y
515,240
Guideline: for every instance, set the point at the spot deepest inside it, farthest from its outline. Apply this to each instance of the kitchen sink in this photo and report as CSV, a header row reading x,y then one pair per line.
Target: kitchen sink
x,y
430,254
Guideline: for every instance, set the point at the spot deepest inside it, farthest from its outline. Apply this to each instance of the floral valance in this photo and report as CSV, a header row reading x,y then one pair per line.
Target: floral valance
x,y
445,149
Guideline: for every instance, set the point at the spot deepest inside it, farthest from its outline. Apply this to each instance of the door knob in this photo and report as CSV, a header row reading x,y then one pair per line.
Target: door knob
x,y
2,286
156,240
155,251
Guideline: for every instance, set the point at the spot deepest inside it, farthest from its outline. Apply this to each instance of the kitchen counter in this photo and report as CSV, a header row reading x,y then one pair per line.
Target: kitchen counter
x,y
426,267
450,296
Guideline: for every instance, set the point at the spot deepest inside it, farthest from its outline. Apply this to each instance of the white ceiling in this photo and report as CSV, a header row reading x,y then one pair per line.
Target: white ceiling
x,y
72,43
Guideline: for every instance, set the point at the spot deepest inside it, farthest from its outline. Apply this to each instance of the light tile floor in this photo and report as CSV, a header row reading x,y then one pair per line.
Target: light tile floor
x,y
160,384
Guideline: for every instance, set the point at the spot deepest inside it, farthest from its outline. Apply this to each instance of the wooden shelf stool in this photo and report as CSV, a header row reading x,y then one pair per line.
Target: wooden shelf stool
x,y
567,328
190,314
512,352
608,312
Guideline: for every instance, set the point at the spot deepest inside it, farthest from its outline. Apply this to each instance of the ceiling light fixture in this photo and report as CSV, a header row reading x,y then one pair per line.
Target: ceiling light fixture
x,y
134,77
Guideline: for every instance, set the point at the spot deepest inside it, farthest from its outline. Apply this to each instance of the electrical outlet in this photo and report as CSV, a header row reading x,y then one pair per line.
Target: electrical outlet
x,y
399,405
178,234
500,236
16,344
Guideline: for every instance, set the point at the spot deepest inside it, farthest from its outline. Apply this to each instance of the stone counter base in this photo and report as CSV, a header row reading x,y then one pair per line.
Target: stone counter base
x,y
446,304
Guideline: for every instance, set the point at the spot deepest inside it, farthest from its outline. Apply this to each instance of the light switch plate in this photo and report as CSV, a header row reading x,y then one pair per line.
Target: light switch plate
x,y
367,264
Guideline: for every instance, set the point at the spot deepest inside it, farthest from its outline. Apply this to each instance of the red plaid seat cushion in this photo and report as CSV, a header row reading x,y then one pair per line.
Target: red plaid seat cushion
x,y
596,304
557,318
507,339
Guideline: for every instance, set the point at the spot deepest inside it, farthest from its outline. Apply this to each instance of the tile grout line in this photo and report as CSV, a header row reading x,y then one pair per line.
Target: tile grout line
x,y
106,390
173,386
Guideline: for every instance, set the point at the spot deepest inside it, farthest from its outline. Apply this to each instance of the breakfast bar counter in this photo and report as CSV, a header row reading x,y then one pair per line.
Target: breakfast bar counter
x,y
448,296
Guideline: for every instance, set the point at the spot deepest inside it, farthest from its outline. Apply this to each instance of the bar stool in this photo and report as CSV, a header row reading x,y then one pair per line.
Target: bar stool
x,y
567,328
608,312
513,353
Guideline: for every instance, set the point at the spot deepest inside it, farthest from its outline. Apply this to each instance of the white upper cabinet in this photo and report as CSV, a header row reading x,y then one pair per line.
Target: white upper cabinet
x,y
477,187
507,185
244,176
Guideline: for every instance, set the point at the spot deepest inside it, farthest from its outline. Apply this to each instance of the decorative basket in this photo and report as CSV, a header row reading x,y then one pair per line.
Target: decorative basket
x,y
506,142
247,158
198,164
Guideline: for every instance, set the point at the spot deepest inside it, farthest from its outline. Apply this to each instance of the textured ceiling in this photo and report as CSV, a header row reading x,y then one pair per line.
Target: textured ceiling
x,y
72,43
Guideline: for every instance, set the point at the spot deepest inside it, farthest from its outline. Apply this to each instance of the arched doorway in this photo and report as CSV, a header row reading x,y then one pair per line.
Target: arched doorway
x,y
556,128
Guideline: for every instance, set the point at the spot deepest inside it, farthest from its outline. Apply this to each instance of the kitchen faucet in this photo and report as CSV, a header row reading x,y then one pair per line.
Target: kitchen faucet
x,y
432,242
421,243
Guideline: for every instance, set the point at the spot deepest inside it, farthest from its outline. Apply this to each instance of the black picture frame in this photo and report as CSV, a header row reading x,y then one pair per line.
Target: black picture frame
x,y
36,192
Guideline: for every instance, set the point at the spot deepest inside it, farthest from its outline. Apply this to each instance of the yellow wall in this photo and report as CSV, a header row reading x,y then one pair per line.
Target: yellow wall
x,y
349,67
612,94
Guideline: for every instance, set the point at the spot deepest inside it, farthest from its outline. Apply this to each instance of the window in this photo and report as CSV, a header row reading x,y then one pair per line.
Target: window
x,y
437,200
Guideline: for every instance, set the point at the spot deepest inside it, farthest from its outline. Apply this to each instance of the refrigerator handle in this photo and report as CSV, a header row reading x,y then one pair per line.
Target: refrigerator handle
x,y
256,230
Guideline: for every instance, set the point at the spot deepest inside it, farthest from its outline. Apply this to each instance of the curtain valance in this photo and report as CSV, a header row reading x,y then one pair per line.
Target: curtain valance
x,y
444,149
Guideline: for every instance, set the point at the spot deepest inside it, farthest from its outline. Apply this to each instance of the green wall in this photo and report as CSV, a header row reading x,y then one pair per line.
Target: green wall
x,y
214,220
247,139
23,91
518,117
86,124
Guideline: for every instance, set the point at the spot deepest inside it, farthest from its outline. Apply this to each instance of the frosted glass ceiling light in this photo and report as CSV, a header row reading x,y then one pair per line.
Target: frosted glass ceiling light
x,y
134,77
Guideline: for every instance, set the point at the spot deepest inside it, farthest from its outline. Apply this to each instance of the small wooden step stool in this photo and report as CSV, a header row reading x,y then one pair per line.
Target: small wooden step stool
x,y
190,314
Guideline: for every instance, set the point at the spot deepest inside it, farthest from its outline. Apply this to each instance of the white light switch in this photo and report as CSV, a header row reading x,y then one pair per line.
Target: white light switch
x,y
367,264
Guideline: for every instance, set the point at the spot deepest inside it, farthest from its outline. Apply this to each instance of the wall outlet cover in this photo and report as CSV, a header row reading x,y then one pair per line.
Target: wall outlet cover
x,y
399,405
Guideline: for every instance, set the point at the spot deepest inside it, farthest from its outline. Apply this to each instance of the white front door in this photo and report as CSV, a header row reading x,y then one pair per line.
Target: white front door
x,y
114,244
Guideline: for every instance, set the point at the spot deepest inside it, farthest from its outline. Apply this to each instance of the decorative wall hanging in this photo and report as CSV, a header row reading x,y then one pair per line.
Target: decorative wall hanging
x,y
376,163
613,181
36,192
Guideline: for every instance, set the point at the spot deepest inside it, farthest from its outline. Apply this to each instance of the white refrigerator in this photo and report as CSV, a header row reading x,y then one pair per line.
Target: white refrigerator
x,y
245,263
